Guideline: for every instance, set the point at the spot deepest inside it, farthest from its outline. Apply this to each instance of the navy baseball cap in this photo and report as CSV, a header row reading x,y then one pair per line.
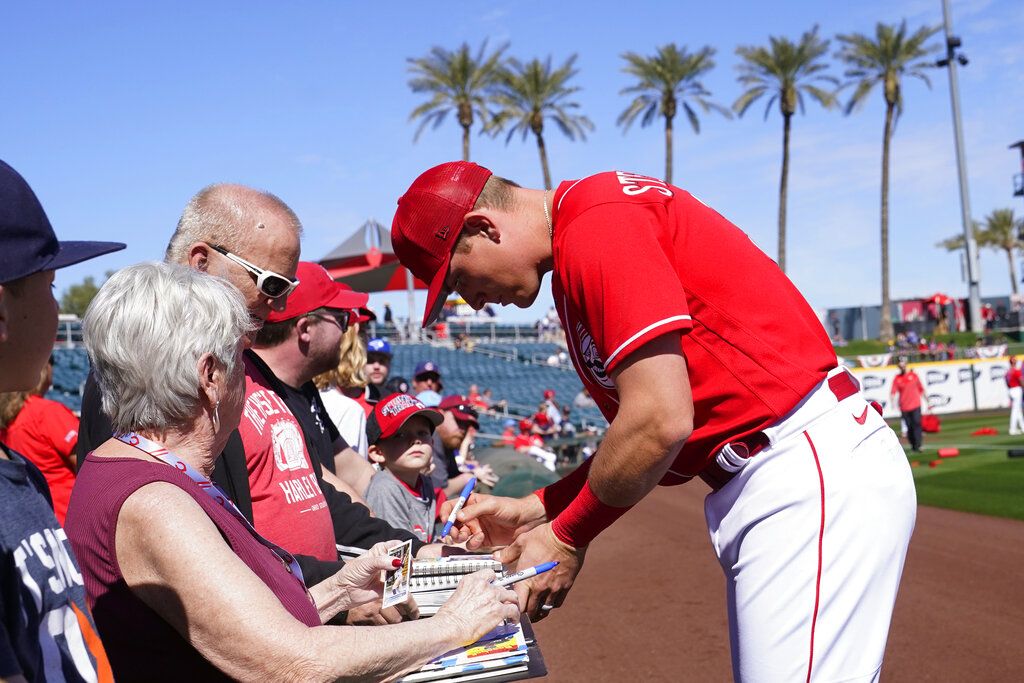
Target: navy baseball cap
x,y
30,245
427,367
378,345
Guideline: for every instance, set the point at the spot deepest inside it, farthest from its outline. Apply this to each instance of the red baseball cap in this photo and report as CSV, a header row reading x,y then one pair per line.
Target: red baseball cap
x,y
460,407
391,412
549,394
428,223
317,290
525,425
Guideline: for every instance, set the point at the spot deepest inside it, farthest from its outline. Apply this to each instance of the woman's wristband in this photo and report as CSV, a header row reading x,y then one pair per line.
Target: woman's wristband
x,y
584,518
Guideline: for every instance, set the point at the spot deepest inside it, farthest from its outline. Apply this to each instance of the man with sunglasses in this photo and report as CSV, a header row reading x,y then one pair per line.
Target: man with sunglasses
x,y
256,236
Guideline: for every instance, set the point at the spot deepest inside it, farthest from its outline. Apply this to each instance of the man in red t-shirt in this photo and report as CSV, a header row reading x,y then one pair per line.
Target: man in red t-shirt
x,y
706,361
908,385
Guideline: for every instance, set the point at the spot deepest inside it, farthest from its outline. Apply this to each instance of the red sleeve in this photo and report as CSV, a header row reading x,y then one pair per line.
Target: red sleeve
x,y
617,267
557,496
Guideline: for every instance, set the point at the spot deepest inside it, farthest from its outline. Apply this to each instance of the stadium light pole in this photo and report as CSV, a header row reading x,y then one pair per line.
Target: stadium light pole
x,y
971,247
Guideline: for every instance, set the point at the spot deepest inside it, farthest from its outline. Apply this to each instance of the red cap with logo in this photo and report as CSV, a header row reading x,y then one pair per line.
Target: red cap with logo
x,y
460,407
428,222
391,412
317,290
549,394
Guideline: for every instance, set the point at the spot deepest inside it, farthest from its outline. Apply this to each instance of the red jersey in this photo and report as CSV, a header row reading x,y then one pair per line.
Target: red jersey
x,y
288,506
46,433
527,440
635,258
1013,377
910,390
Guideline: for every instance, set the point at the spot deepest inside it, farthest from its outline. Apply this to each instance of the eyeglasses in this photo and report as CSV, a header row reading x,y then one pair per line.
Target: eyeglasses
x,y
267,281
340,317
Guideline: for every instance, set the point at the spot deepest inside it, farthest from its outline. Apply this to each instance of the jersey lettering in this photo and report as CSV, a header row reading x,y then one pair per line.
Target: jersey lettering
x,y
633,185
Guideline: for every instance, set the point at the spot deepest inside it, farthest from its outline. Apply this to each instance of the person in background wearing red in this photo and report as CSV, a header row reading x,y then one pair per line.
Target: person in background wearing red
x,y
908,385
1013,386
46,433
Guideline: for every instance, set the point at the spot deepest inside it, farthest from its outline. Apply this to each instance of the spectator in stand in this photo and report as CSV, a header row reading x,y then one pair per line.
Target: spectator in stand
x,y
426,378
508,437
453,440
46,629
531,443
388,315
342,386
554,413
1014,379
908,385
182,588
46,433
476,400
584,399
378,367
400,431
567,429
494,406
397,385
542,424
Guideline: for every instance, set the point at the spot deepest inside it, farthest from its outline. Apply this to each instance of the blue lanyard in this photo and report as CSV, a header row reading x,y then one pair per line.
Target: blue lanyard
x,y
214,491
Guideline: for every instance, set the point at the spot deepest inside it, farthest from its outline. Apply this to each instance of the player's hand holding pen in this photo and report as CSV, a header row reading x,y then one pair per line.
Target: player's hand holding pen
x,y
544,591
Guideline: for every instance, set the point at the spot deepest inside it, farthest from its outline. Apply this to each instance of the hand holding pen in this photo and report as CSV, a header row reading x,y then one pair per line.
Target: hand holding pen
x,y
466,490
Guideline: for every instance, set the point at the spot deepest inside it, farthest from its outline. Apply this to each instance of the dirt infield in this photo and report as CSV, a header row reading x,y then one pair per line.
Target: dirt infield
x,y
650,602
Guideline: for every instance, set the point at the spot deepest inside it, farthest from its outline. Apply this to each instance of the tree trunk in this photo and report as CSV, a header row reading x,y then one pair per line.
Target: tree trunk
x,y
783,182
465,143
668,150
885,328
1013,275
544,161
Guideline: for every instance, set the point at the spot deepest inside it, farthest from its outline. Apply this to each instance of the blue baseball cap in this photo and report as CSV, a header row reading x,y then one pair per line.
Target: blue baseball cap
x,y
378,345
30,245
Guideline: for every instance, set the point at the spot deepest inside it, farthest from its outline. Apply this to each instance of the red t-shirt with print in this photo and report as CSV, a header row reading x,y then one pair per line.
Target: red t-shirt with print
x,y
288,506
634,259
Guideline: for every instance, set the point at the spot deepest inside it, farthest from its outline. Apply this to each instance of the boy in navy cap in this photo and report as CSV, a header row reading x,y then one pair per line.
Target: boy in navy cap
x,y
45,627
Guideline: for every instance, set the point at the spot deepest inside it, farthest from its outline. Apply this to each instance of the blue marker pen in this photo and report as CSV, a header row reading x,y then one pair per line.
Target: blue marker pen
x,y
466,490
525,574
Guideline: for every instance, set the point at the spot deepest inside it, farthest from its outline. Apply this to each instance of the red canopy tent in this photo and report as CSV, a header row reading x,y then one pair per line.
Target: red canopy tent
x,y
366,263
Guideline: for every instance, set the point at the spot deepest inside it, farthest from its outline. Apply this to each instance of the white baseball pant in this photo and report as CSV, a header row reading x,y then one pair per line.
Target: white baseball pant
x,y
812,533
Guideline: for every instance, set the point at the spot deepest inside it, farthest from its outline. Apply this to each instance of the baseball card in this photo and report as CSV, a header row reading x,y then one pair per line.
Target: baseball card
x,y
396,583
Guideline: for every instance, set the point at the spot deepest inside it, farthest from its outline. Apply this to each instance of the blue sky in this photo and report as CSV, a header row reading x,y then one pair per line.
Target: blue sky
x,y
117,113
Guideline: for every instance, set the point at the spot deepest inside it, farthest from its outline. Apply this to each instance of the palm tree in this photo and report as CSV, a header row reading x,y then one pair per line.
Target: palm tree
x,y
456,81
1001,232
886,59
667,80
529,93
785,71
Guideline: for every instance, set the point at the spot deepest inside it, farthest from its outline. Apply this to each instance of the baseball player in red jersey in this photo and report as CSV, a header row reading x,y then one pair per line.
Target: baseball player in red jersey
x,y
707,363
1014,379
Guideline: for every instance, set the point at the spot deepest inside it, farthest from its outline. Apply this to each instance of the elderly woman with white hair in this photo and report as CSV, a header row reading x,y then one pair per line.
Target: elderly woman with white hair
x,y
181,587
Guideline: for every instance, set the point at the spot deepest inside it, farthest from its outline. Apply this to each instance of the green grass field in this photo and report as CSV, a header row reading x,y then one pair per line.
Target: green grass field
x,y
981,479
